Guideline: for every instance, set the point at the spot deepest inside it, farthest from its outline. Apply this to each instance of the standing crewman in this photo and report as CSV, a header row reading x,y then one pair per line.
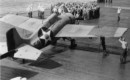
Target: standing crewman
x,y
29,10
110,1
106,1
102,40
41,11
55,9
118,13
125,49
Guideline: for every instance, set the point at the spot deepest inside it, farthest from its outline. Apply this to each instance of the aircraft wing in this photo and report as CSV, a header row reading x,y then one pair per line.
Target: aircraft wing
x,y
76,31
109,31
71,30
29,24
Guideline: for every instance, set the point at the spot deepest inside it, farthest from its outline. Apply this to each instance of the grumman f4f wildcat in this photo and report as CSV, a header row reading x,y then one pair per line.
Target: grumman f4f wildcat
x,y
47,32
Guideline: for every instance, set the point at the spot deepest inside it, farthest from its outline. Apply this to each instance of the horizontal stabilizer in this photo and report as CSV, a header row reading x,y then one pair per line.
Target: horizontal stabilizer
x,y
27,52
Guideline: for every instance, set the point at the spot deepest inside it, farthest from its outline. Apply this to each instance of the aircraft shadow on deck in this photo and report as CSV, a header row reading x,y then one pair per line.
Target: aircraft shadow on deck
x,y
96,48
52,52
45,60
48,64
8,72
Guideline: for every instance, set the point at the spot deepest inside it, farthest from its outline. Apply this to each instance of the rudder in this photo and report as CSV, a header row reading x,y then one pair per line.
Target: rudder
x,y
13,39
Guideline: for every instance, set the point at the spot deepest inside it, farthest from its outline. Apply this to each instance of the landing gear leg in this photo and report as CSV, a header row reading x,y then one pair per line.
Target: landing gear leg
x,y
122,60
73,44
23,61
54,42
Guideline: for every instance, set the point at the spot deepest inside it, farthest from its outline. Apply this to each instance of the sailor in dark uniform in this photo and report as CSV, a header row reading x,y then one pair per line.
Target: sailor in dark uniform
x,y
98,12
102,40
90,13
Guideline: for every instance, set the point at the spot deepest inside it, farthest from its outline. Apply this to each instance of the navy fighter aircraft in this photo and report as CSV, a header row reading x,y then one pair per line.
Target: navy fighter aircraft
x,y
47,32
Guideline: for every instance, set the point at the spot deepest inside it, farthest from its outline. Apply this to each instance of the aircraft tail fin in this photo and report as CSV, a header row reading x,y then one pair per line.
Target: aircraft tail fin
x,y
13,39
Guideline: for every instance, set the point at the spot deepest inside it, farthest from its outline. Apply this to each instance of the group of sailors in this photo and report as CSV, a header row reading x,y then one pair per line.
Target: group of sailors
x,y
81,11
105,1
40,9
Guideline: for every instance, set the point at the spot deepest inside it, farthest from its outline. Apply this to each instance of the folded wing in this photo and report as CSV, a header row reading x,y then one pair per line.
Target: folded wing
x,y
109,31
76,31
116,7
71,30
29,24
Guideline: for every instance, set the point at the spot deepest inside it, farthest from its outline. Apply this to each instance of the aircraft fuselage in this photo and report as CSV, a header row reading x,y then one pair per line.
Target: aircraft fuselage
x,y
46,37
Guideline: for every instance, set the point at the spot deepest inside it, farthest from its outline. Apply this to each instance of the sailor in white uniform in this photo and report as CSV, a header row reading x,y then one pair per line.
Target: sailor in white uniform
x,y
29,10
41,11
118,13
124,46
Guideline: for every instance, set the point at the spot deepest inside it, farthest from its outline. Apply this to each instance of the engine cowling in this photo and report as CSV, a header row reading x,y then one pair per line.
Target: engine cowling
x,y
44,38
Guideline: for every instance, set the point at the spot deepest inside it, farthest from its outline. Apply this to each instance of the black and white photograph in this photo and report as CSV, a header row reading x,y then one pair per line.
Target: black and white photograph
x,y
64,40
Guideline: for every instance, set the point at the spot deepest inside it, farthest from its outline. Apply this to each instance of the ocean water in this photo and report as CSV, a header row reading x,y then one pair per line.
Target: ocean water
x,y
11,6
